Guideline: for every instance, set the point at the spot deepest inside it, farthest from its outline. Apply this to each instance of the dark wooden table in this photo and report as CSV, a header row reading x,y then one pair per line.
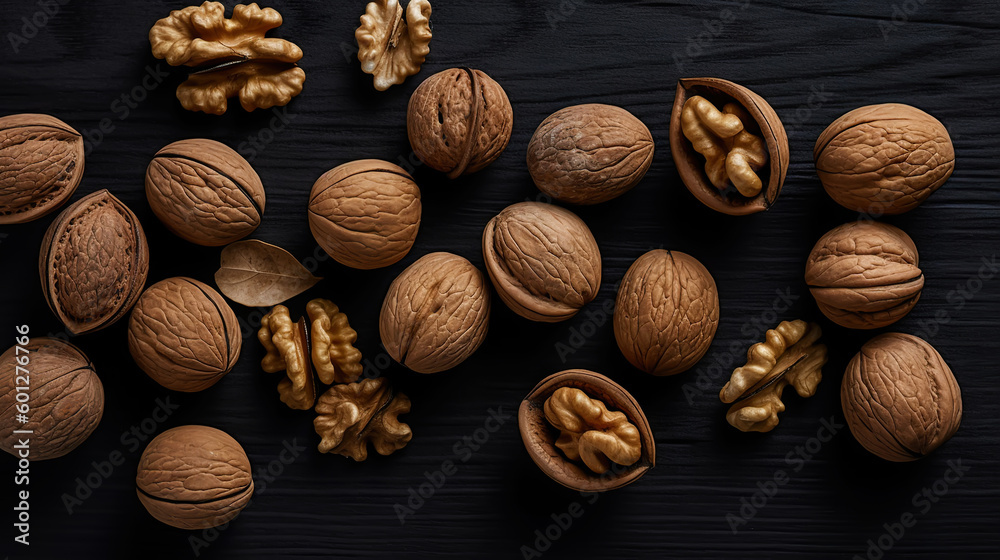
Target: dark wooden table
x,y
811,60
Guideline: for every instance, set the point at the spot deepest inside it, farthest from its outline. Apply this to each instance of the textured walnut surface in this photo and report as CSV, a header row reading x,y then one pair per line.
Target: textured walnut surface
x,y
351,416
591,433
334,357
390,47
287,345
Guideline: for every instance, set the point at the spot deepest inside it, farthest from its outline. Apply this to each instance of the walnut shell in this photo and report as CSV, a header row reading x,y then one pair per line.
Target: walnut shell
x,y
900,398
194,477
204,192
543,261
184,335
365,214
666,313
691,165
93,262
65,395
864,275
436,313
587,154
539,436
884,159
443,111
41,164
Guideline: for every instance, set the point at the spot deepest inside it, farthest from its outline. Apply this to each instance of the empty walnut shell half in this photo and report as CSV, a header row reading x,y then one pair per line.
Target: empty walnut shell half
x,y
691,165
884,159
543,261
901,400
194,477
41,164
204,192
459,121
864,275
93,262
539,436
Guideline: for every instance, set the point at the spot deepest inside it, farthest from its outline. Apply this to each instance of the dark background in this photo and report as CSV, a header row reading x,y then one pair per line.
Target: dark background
x,y
813,61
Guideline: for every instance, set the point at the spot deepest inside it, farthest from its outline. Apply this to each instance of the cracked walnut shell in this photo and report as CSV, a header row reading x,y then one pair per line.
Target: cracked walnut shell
x,y
864,275
351,416
884,159
789,355
543,260
901,400
666,312
591,433
389,47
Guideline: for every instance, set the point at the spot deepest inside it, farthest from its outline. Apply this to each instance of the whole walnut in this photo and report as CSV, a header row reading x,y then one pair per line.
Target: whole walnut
x,y
884,159
900,398
194,477
459,121
864,275
184,335
365,214
204,192
586,154
543,261
436,313
666,313
65,398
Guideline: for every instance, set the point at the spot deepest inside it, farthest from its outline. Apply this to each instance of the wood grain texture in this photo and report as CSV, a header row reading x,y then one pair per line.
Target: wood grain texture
x,y
812,61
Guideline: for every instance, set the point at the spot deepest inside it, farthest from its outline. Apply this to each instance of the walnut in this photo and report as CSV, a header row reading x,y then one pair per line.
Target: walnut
x,y
231,57
789,355
334,356
93,262
389,48
65,395
543,261
591,433
184,335
864,275
733,155
365,214
353,415
587,154
41,164
884,159
204,192
900,398
459,121
436,313
666,313
194,477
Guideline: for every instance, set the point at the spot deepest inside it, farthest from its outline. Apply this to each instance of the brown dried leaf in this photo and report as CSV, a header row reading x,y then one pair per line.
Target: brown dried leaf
x,y
258,274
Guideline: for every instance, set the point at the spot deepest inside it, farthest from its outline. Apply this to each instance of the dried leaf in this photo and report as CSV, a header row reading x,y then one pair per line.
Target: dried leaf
x,y
258,274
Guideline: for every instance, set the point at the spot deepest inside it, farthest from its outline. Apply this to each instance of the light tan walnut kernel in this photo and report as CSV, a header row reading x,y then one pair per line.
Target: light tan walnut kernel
x,y
589,432
390,48
287,348
350,416
334,356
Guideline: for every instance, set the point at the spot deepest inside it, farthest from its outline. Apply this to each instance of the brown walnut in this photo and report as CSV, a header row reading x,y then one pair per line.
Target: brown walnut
x,y
884,159
351,416
543,260
41,164
65,395
900,398
184,335
864,275
389,47
587,154
194,477
204,192
93,262
459,121
666,313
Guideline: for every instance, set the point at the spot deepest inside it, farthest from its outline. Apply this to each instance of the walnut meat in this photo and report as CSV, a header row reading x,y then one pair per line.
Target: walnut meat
x,y
543,261
436,313
41,164
587,154
194,477
184,335
591,433
287,345
864,275
65,395
93,262
334,357
365,214
204,192
351,416
459,121
884,159
389,47
666,313
900,398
